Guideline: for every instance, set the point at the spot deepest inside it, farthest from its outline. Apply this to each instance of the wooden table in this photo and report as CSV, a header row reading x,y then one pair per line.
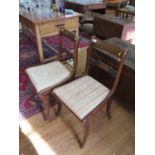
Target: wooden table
x,y
46,26
86,5
116,3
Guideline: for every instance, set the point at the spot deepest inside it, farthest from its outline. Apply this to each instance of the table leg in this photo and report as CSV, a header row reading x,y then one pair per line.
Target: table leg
x,y
77,31
21,28
39,44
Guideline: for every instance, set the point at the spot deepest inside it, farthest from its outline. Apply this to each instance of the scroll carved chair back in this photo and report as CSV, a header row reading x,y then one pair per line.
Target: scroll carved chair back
x,y
85,96
46,77
110,52
74,52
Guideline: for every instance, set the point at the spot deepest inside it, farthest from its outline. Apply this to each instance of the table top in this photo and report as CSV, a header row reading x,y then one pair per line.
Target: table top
x,y
85,2
125,10
45,17
116,1
130,57
115,19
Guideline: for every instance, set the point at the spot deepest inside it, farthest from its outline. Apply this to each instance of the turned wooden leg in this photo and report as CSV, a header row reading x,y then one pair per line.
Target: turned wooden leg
x,y
108,109
39,44
59,108
45,99
86,128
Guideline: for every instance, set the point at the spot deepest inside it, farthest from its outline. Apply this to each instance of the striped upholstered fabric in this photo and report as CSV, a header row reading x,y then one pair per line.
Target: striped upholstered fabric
x,y
81,96
47,75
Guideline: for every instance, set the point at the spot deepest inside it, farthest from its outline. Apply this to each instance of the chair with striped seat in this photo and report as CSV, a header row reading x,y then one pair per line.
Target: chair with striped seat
x,y
47,76
85,96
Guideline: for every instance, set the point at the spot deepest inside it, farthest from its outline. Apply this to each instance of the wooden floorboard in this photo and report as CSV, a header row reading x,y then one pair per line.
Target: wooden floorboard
x,y
106,137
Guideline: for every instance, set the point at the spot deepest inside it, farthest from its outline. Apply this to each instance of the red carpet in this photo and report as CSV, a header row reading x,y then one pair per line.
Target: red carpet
x,y
28,56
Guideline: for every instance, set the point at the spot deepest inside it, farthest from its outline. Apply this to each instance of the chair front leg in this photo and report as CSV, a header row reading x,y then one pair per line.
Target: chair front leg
x,y
45,98
86,130
108,108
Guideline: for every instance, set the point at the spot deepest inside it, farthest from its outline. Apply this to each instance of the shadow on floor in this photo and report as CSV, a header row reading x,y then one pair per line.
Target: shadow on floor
x,y
24,142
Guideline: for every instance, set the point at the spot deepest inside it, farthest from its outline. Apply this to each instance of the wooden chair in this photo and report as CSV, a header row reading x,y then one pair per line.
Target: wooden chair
x,y
47,76
85,95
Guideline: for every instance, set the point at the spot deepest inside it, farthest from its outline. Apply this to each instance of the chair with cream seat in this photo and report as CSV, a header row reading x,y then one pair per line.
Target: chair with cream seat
x,y
85,96
47,76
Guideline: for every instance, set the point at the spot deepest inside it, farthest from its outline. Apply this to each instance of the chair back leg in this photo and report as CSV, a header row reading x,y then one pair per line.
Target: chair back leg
x,y
108,108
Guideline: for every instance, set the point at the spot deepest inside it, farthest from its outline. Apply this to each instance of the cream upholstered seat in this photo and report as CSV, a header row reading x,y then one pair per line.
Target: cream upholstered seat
x,y
85,95
47,75
82,95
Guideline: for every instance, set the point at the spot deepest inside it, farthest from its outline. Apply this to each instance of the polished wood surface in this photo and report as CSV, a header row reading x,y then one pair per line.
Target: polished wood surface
x,y
116,1
114,137
85,2
107,26
43,27
42,20
86,5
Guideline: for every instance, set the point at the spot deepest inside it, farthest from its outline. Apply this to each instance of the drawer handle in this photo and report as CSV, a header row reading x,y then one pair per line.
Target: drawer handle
x,y
60,25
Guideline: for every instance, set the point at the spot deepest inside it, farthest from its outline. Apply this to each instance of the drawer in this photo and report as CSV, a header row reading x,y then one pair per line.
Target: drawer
x,y
53,26
72,23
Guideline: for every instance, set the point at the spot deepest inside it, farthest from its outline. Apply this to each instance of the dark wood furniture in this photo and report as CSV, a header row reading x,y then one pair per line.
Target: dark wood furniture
x,y
132,3
126,86
47,76
107,26
116,3
86,5
125,13
87,8
85,95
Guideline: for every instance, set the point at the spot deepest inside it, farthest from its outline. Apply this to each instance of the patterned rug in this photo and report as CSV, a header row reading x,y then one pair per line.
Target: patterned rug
x,y
28,56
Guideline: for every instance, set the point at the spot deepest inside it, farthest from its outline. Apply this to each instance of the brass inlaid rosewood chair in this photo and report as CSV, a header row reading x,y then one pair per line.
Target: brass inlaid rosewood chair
x,y
47,76
85,95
